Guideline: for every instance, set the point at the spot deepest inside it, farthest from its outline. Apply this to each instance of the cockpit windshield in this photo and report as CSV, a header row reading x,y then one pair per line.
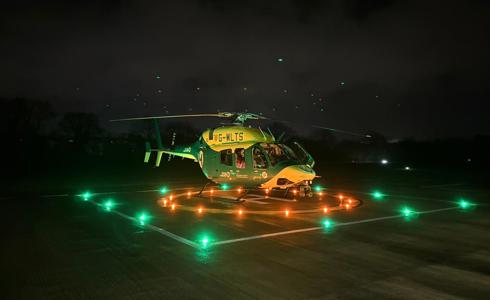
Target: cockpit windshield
x,y
282,152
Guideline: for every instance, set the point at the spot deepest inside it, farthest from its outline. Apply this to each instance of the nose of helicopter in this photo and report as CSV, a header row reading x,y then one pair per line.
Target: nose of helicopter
x,y
298,173
293,174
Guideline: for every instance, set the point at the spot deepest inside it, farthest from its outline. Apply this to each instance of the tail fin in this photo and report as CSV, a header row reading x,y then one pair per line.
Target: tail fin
x,y
148,152
157,133
181,151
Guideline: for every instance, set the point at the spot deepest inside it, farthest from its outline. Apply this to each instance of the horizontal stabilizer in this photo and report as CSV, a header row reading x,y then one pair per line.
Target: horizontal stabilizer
x,y
159,158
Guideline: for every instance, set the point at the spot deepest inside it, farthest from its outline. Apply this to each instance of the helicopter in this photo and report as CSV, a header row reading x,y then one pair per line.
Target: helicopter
x,y
241,155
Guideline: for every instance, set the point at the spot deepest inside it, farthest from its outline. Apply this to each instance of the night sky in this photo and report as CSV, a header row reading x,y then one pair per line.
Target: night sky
x,y
402,68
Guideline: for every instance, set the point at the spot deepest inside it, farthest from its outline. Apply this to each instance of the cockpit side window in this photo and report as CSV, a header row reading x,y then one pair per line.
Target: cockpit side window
x,y
259,160
226,157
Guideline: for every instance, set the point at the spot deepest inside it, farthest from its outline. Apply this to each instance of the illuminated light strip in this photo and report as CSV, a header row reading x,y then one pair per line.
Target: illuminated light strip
x,y
154,228
321,227
259,212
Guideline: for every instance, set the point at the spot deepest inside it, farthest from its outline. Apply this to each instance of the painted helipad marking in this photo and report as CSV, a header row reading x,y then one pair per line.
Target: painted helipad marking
x,y
261,236
251,200
440,185
153,227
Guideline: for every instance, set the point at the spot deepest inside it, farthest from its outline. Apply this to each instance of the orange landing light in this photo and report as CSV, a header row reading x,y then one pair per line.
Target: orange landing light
x,y
347,206
211,191
188,194
200,210
171,197
164,202
172,207
286,212
341,196
240,212
320,193
239,190
350,201
325,210
295,192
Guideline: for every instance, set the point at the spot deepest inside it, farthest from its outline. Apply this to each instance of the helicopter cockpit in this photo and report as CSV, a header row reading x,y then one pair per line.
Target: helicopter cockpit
x,y
275,153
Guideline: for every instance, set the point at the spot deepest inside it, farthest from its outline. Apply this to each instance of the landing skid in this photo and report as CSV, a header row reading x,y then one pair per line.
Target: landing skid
x,y
238,200
202,189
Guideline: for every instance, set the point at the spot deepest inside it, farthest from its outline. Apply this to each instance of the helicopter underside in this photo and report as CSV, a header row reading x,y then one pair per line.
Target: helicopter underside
x,y
290,176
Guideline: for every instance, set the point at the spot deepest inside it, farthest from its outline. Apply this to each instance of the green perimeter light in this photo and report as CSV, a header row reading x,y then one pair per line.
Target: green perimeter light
x,y
86,196
163,190
407,212
464,204
142,218
205,242
317,188
225,186
327,223
377,195
108,205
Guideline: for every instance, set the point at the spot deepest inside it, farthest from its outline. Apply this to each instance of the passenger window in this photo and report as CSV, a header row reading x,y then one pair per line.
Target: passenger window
x,y
240,158
227,157
259,160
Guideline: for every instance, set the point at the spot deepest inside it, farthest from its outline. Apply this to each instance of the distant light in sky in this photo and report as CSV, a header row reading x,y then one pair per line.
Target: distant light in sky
x,y
384,161
280,59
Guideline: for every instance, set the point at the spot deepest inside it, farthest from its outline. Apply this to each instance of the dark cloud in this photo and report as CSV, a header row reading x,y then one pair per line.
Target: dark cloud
x,y
407,68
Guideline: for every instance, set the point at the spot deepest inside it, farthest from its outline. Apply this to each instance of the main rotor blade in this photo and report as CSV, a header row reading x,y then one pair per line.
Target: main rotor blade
x,y
218,115
328,128
342,131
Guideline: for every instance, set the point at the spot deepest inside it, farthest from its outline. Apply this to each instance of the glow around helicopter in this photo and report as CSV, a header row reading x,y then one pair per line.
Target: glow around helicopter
x,y
241,155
